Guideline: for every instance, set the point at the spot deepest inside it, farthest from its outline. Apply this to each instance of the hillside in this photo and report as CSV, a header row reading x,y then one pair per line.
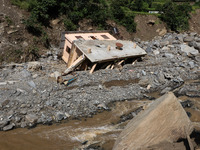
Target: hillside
x,y
19,45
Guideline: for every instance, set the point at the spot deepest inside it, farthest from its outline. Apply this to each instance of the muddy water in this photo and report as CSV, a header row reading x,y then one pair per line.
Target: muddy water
x,y
103,127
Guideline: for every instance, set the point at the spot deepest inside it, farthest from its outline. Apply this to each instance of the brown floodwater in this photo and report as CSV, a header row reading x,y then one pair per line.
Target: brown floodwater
x,y
102,129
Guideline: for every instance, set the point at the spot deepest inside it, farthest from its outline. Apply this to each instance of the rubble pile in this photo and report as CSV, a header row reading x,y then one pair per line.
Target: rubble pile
x,y
30,94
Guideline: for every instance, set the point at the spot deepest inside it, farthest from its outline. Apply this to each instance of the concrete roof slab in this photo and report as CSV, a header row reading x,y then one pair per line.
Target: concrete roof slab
x,y
104,50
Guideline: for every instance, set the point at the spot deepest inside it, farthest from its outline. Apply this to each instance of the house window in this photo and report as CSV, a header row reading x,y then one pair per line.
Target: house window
x,y
79,37
94,38
105,36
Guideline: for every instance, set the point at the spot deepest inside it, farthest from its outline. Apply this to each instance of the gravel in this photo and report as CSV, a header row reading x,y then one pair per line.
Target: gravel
x,y
29,93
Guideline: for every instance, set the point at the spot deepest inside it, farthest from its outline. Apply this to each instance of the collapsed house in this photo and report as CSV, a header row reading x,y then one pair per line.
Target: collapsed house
x,y
96,47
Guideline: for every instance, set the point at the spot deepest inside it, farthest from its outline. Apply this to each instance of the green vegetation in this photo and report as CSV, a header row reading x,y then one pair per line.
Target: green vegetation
x,y
8,21
176,15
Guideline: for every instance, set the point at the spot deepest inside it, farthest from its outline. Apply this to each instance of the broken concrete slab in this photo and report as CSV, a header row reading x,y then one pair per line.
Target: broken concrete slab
x,y
109,52
164,120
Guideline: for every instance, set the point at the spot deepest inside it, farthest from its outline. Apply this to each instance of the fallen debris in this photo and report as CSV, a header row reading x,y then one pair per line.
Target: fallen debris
x,y
164,120
66,80
74,65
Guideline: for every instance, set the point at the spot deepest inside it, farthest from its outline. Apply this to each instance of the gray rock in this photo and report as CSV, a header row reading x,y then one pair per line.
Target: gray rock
x,y
165,48
32,84
193,34
197,39
167,89
9,127
56,74
164,43
197,46
144,81
12,31
23,124
25,73
59,116
169,55
192,44
3,83
168,76
191,63
24,44
180,38
34,66
144,73
156,44
3,123
161,77
188,39
17,119
189,50
156,52
31,118
102,105
148,50
176,42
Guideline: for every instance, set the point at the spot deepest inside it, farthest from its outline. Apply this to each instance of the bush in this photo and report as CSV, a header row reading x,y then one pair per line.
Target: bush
x,y
123,15
24,4
176,16
69,25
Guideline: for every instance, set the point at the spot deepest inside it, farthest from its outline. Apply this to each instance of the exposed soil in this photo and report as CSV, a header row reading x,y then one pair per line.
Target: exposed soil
x,y
149,26
195,22
120,82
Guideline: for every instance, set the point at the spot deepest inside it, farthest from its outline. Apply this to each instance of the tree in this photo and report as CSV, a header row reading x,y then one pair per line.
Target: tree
x,y
176,16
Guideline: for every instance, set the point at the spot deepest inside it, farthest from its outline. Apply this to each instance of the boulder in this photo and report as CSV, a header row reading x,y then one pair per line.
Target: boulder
x,y
188,39
164,120
189,50
31,118
197,46
9,127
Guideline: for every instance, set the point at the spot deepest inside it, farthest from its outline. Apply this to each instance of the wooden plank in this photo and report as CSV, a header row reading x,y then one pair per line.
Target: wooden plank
x,y
74,54
112,67
74,65
121,62
70,55
133,63
108,66
93,67
135,45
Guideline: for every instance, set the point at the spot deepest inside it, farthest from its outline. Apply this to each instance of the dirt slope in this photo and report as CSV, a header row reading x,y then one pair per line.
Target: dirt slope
x,y
195,22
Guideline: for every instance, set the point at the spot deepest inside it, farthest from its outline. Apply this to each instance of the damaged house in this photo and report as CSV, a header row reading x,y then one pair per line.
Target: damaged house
x,y
95,47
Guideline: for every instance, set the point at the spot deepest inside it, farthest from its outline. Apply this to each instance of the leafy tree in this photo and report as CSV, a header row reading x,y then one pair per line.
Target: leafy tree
x,y
176,16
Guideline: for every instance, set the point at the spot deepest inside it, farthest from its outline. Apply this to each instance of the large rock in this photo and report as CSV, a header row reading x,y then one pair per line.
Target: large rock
x,y
188,39
164,120
31,118
189,50
197,46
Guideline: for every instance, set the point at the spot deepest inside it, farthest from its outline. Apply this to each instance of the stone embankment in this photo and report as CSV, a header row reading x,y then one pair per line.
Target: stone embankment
x,y
30,95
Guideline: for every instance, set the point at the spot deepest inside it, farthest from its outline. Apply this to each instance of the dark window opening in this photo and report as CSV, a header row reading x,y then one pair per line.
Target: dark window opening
x,y
105,36
94,38
79,37
67,49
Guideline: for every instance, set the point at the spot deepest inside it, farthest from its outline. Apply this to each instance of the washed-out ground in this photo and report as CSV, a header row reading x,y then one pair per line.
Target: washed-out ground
x,y
30,95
